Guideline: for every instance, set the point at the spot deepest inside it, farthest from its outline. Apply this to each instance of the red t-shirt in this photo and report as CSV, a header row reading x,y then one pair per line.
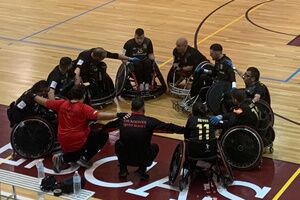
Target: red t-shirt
x,y
73,127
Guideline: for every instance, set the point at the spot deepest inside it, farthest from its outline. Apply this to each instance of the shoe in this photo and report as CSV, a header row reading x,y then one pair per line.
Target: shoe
x,y
57,161
143,175
84,163
123,173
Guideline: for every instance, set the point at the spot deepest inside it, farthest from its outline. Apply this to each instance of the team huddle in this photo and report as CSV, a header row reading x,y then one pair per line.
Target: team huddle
x,y
74,87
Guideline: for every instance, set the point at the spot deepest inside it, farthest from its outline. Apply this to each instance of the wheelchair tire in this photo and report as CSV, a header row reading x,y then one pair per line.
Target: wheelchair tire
x,y
215,97
32,138
268,137
121,79
228,178
160,78
176,162
242,147
266,112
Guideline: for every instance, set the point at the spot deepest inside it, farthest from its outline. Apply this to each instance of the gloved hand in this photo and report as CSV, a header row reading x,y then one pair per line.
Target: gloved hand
x,y
121,115
216,119
133,60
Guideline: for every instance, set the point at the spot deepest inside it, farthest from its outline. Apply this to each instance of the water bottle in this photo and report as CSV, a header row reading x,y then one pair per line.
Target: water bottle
x,y
41,175
76,184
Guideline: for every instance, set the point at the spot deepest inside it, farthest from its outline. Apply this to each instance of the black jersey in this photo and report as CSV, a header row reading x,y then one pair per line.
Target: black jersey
x,y
199,128
85,61
191,57
133,49
223,70
258,88
136,131
246,113
24,107
57,80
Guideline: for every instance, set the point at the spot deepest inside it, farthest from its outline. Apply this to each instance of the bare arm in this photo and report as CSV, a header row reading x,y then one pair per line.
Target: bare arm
x,y
106,115
256,98
51,93
122,57
240,73
40,100
188,68
77,76
151,56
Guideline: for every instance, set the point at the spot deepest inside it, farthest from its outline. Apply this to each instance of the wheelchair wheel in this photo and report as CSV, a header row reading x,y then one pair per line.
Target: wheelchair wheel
x,y
160,77
121,79
217,97
242,147
266,111
268,137
32,138
176,162
227,177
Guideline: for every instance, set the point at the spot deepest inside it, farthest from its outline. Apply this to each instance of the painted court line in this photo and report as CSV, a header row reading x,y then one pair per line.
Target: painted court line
x,y
286,185
59,23
216,32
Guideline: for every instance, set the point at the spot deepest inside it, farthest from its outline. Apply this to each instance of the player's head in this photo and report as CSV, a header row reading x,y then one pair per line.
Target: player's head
x,y
238,95
40,88
199,109
251,76
139,36
99,54
65,64
181,45
138,105
216,51
77,93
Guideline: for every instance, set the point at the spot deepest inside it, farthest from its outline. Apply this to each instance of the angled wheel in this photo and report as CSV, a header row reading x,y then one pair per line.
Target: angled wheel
x,y
176,162
267,113
242,147
216,97
32,138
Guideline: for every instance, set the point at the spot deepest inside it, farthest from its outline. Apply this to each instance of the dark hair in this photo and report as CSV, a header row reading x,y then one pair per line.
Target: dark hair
x,y
139,32
254,73
99,52
65,62
137,103
199,109
39,86
239,95
77,92
216,47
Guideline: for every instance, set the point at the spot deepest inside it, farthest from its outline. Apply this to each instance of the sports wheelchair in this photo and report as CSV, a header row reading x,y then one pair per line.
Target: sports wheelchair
x,y
127,86
35,136
208,153
204,82
100,87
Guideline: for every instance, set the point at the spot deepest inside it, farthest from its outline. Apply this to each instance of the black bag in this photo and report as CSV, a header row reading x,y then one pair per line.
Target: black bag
x,y
67,185
48,184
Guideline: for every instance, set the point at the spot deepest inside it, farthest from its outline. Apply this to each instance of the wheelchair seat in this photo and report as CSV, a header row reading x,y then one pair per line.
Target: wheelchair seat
x,y
189,151
127,86
100,86
185,105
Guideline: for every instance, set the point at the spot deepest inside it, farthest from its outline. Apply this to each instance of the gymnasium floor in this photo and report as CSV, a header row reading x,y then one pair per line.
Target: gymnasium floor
x,y
34,35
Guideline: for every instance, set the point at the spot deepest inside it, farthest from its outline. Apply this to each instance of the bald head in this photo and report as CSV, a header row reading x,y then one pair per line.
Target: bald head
x,y
181,45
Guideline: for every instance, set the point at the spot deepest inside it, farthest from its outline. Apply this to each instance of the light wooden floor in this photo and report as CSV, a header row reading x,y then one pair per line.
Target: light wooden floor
x,y
35,34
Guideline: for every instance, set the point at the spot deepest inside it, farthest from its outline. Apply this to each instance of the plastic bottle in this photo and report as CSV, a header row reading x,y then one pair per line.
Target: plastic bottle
x,y
76,183
40,174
